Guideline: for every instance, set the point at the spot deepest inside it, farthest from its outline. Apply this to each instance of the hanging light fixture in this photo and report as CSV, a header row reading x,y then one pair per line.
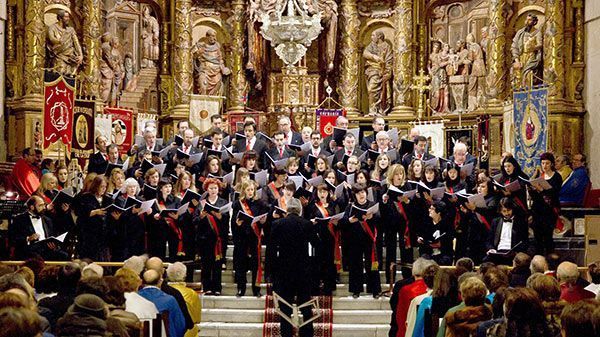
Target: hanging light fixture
x,y
291,34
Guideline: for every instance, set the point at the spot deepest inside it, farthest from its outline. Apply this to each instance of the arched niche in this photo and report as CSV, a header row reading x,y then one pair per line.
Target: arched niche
x,y
200,26
387,27
517,21
50,15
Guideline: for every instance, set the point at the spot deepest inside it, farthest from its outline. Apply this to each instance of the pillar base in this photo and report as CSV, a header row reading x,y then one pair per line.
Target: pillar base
x,y
403,111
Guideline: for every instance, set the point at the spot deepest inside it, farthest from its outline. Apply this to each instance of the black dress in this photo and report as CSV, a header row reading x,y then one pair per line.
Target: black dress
x,y
395,219
545,210
327,259
93,239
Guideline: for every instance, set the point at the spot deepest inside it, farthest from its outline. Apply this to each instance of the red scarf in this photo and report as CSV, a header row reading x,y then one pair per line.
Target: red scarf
x,y
373,236
337,253
173,226
407,243
275,191
256,230
483,220
215,227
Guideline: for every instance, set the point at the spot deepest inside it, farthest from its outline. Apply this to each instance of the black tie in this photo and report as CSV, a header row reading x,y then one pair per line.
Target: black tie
x,y
507,220
35,217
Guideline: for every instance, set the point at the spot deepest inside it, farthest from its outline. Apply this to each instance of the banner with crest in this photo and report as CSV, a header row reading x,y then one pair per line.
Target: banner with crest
x,y
530,112
326,120
122,128
59,99
83,131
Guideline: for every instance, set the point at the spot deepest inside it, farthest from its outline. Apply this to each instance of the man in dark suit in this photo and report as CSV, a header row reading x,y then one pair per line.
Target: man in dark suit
x,y
150,143
28,229
280,151
328,143
315,150
349,149
98,160
418,153
215,143
290,237
508,231
378,125
291,137
217,125
250,142
113,158
460,156
177,153
182,125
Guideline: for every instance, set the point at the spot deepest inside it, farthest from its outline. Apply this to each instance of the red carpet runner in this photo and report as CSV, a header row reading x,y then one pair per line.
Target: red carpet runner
x,y
323,326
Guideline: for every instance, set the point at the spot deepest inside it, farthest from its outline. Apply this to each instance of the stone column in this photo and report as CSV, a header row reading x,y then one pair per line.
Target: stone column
x,y
238,86
10,34
403,58
348,85
35,36
90,75
554,49
182,59
497,78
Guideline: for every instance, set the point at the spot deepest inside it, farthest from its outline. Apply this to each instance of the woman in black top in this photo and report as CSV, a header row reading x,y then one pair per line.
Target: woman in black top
x,y
436,240
362,236
163,229
212,236
511,171
546,205
91,221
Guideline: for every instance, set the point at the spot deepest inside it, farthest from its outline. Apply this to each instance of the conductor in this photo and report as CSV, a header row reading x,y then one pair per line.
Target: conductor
x,y
290,238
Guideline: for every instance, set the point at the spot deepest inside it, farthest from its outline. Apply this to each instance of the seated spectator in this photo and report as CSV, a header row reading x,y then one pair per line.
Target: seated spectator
x,y
135,303
573,189
92,270
135,263
520,271
115,299
176,273
163,302
570,290
465,263
443,296
55,307
548,291
19,322
563,166
85,317
594,272
495,279
428,277
46,284
577,318
442,326
538,264
553,260
464,322
523,316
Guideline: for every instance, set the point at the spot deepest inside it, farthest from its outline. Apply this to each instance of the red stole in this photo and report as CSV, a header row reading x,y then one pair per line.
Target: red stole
x,y
373,236
173,226
407,243
215,227
275,191
337,253
256,231
483,220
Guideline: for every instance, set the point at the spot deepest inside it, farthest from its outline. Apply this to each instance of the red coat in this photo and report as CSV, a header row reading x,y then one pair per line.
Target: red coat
x,y
574,292
25,178
407,294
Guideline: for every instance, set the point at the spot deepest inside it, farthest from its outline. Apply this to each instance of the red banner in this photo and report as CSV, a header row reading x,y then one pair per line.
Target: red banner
x,y
326,120
122,128
59,99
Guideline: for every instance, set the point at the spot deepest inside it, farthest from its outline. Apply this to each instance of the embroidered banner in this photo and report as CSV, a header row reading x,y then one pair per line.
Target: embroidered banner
x,y
103,126
58,109
453,135
326,120
530,111
145,120
202,107
83,132
122,127
483,146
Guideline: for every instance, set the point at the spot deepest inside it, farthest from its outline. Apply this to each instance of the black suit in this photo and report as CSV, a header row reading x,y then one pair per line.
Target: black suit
x,y
290,237
259,147
339,155
287,153
366,142
296,139
408,158
22,227
470,159
520,233
97,163
172,154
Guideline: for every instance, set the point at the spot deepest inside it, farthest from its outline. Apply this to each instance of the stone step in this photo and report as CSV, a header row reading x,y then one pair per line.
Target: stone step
x,y
230,289
219,329
227,277
339,303
257,316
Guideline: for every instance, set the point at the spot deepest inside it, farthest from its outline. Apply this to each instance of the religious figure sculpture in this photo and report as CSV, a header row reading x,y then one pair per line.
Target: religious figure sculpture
x,y
64,51
438,60
526,51
329,16
106,68
118,68
458,70
129,83
150,35
477,75
484,40
379,63
209,67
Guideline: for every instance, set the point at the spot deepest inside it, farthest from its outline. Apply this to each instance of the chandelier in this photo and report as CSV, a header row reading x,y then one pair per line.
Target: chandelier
x,y
292,33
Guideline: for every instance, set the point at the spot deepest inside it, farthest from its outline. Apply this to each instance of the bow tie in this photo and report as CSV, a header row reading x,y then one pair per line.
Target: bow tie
x,y
35,216
507,220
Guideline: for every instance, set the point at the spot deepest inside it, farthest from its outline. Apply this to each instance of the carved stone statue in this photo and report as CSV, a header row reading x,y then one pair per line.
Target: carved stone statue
x,y
106,68
150,35
458,70
129,83
484,40
379,63
329,16
209,67
477,75
64,51
438,60
526,51
118,68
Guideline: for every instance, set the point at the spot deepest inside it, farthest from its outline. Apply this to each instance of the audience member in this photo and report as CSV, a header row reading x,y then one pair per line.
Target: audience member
x,y
134,302
538,264
577,318
548,292
570,290
464,322
428,278
115,299
19,322
164,302
85,317
594,272
176,273
56,306
520,271
574,188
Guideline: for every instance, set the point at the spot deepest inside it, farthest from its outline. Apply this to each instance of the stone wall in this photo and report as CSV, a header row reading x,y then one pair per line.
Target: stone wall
x,y
592,89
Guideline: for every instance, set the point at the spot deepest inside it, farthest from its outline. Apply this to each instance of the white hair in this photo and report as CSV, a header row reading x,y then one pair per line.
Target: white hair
x,y
92,270
284,119
176,272
131,182
135,263
420,264
382,135
294,206
307,128
460,147
567,272
340,118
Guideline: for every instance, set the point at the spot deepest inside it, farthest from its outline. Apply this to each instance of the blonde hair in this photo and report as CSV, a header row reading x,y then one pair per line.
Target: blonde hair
x,y
177,189
131,280
244,186
47,178
113,174
392,171
241,172
473,291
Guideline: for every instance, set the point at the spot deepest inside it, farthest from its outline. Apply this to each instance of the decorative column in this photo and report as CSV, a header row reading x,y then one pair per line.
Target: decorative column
x,y
238,86
10,34
348,85
35,35
90,75
403,58
578,66
497,78
182,59
554,46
